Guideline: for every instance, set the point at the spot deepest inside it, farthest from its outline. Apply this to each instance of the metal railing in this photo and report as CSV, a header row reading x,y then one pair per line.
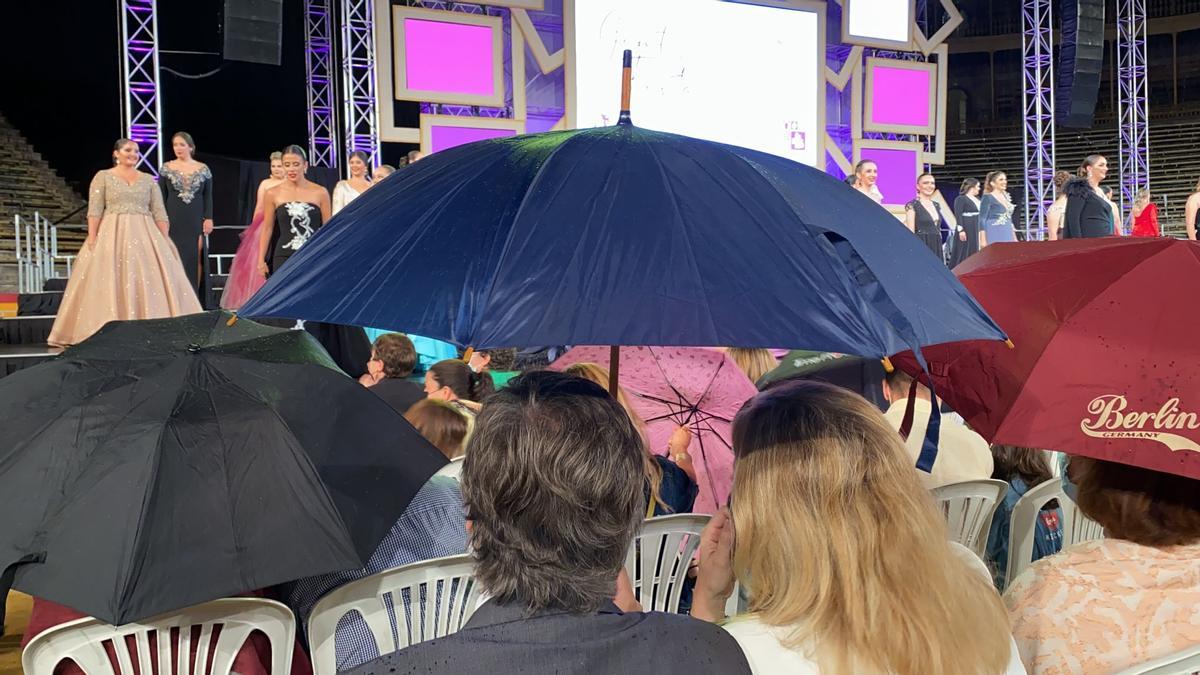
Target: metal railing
x,y
38,258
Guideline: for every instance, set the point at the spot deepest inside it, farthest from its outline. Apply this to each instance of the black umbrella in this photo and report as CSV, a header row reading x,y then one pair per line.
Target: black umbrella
x,y
165,463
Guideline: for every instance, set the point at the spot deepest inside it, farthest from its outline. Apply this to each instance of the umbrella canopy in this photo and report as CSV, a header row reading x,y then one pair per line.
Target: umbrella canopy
x,y
669,387
1104,364
862,376
164,463
624,236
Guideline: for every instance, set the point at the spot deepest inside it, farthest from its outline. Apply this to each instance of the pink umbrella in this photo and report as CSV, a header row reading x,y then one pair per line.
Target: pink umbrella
x,y
670,387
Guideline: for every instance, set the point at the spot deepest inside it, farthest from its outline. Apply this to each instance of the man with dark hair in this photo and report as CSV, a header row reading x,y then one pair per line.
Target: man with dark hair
x,y
553,487
393,359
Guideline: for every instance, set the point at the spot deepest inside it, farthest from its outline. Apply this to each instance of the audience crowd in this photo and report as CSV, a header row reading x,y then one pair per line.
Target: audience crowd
x,y
832,536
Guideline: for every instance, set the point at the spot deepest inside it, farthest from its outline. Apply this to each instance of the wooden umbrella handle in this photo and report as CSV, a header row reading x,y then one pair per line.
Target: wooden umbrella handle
x,y
626,86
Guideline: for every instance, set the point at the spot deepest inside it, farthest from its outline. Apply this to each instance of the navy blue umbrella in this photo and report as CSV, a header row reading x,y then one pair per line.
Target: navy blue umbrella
x,y
622,235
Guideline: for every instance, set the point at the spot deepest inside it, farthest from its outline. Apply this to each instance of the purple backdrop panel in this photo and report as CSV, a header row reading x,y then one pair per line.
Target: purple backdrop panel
x,y
443,137
900,96
449,57
897,173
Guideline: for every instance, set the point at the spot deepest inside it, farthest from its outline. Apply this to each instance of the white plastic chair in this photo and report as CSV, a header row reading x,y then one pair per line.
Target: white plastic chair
x,y
83,640
429,599
658,559
968,508
1184,662
1022,527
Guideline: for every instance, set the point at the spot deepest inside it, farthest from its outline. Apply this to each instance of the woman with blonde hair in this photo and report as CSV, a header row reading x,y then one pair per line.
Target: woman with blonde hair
x,y
670,483
754,362
843,554
1145,215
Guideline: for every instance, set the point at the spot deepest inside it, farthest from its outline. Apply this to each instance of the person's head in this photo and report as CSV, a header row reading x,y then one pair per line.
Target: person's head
x,y
358,163
995,181
277,165
1028,464
1142,198
183,145
1060,181
599,375
1094,168
393,355
125,153
441,424
897,384
836,539
295,163
1108,192
753,362
552,485
414,156
382,171
501,360
452,379
866,172
1146,507
969,187
926,185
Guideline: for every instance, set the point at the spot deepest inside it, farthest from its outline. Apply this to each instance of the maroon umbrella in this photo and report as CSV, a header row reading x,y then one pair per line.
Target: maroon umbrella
x,y
1104,364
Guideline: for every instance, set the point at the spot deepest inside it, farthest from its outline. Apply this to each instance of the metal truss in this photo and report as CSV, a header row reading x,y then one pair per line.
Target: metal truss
x,y
358,78
141,110
1134,127
322,116
1038,99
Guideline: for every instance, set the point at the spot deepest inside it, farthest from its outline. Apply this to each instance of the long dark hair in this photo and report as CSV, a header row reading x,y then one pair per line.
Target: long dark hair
x,y
1028,464
464,382
967,184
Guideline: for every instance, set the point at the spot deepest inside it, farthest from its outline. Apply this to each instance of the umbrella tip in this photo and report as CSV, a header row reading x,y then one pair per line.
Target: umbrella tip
x,y
1009,344
232,320
887,365
467,354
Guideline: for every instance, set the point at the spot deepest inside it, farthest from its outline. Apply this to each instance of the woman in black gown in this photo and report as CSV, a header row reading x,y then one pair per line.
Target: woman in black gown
x,y
965,242
923,215
186,186
1088,213
293,211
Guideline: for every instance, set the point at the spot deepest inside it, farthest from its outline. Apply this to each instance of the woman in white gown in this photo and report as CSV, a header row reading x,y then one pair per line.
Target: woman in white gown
x,y
347,190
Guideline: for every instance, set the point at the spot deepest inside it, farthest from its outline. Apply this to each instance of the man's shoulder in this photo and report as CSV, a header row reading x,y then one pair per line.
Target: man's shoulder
x,y
692,636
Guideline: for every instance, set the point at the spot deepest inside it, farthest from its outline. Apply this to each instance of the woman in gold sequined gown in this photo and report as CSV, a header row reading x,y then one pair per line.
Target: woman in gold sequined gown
x,y
128,268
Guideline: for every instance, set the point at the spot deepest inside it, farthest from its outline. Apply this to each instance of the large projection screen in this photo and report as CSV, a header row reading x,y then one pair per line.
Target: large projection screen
x,y
733,72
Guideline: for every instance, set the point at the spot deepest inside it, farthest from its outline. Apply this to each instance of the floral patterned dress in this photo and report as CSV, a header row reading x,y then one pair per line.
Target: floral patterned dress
x,y
1104,605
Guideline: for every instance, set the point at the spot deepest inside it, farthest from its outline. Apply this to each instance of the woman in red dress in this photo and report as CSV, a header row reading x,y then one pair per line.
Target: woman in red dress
x,y
1145,215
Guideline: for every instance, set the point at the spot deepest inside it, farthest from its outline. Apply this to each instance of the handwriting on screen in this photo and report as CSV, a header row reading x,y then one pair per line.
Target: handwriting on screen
x,y
728,72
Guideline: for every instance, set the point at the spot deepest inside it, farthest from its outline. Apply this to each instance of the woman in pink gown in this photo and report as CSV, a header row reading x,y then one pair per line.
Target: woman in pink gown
x,y
244,278
128,268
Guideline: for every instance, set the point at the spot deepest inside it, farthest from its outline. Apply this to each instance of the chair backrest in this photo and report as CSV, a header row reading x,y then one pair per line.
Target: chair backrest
x,y
968,508
1075,526
83,641
1185,662
658,559
426,600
